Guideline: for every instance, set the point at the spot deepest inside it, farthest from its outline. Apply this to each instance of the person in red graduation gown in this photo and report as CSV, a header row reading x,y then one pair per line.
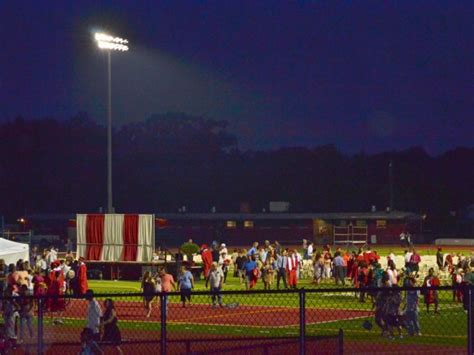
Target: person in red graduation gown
x,y
82,285
206,256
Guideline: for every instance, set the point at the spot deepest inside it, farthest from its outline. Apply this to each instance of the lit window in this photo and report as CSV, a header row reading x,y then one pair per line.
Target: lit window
x,y
361,223
248,224
231,224
381,223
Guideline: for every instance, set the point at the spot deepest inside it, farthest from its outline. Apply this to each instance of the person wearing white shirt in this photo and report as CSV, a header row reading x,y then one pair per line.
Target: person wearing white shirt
x,y
222,254
403,237
299,259
94,315
391,257
52,256
309,252
216,280
223,264
408,255
392,273
262,254
43,265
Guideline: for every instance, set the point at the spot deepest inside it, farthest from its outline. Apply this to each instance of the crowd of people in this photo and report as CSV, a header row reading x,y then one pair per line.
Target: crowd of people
x,y
269,263
46,275
394,309
266,263
43,275
162,281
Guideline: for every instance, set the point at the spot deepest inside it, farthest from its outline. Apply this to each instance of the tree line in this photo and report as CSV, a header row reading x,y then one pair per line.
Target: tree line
x,y
173,160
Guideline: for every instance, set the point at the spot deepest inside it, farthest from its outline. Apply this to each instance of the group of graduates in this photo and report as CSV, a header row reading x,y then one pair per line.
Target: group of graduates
x,y
456,271
359,267
24,279
260,262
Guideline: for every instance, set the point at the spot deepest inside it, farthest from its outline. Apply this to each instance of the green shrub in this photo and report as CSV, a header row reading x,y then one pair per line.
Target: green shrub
x,y
189,249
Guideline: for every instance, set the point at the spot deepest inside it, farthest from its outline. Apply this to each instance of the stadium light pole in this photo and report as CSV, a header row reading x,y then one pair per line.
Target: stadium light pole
x,y
109,44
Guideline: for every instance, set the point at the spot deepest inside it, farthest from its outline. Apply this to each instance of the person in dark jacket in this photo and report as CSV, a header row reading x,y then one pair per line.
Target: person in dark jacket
x,y
111,331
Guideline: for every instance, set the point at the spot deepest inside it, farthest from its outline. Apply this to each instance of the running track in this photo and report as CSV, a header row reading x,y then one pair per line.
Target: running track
x,y
243,315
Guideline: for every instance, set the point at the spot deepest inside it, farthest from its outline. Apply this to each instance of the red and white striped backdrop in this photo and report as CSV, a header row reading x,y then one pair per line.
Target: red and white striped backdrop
x,y
116,237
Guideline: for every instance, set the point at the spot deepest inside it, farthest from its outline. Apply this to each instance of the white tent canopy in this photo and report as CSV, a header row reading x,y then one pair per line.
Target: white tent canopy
x,y
11,252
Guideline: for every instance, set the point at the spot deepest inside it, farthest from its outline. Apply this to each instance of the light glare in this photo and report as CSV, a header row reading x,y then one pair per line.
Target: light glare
x,y
105,41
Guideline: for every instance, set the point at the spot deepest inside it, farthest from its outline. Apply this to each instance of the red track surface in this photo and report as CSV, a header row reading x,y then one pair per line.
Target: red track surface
x,y
243,315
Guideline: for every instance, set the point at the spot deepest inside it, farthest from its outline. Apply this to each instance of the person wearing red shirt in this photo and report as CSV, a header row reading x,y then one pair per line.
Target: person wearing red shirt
x,y
431,296
415,260
449,262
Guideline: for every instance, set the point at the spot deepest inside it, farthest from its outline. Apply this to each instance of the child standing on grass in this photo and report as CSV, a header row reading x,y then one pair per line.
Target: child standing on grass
x,y
267,273
318,265
250,278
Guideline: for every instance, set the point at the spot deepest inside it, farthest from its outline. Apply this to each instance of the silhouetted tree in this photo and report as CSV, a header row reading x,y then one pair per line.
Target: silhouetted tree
x,y
174,159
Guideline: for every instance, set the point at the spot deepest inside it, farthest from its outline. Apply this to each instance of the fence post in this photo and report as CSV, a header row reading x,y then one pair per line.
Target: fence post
x,y
302,294
164,310
40,326
470,319
340,341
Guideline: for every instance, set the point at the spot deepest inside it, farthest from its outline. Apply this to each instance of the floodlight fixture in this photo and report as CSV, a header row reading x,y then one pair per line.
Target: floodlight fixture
x,y
105,41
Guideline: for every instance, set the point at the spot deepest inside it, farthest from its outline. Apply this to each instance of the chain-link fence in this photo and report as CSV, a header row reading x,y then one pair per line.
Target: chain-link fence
x,y
322,321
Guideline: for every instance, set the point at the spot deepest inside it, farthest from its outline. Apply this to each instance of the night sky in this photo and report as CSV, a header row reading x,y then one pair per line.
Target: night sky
x,y
366,75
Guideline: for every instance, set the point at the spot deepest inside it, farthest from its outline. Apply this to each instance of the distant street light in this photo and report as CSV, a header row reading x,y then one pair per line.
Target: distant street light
x,y
110,43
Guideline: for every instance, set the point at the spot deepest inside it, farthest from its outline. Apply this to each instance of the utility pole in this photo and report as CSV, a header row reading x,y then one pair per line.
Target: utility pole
x,y
390,177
